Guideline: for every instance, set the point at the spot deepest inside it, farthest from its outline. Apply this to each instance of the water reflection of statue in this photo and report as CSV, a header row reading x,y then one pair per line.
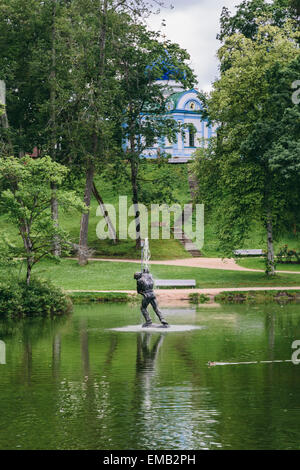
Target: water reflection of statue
x,y
147,353
145,285
148,347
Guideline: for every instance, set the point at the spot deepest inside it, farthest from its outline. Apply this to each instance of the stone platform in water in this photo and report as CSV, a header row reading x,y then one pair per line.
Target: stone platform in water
x,y
157,328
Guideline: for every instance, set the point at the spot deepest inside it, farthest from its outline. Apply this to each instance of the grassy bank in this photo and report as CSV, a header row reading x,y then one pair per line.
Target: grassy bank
x,y
259,263
160,249
90,297
102,275
259,297
70,221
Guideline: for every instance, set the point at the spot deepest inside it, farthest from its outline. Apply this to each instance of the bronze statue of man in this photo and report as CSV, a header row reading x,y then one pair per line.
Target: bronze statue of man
x,y
145,285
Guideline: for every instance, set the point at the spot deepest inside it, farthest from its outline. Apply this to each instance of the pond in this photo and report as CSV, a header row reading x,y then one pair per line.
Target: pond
x,y
72,383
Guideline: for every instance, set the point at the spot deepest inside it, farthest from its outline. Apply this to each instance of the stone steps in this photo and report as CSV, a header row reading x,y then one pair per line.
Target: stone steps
x,y
188,245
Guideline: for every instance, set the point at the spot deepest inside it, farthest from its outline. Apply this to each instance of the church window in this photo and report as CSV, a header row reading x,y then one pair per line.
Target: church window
x,y
192,137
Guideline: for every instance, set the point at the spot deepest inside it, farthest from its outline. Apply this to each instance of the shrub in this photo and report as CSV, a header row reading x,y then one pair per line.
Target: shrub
x,y
198,298
17,299
287,255
10,299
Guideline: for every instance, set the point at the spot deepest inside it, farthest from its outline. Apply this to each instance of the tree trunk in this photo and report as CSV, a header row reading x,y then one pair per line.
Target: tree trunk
x,y
135,200
25,234
54,213
84,225
54,202
109,223
28,273
270,253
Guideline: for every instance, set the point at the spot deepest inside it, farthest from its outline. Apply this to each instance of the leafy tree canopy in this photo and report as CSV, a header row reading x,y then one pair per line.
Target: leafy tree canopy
x,y
251,171
26,197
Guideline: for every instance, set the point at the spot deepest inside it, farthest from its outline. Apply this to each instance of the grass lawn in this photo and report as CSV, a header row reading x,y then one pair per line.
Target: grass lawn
x,y
125,249
258,263
256,240
100,275
160,249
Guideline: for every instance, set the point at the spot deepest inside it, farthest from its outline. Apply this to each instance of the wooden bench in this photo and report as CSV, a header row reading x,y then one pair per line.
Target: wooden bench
x,y
249,252
175,283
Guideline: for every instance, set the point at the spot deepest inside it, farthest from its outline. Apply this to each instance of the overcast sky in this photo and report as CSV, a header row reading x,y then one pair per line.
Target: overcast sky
x,y
194,24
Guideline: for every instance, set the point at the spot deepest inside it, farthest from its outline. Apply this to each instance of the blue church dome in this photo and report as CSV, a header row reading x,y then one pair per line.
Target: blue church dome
x,y
171,73
168,70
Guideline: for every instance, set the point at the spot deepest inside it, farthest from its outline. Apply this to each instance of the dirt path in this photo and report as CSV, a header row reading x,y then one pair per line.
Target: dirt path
x,y
208,263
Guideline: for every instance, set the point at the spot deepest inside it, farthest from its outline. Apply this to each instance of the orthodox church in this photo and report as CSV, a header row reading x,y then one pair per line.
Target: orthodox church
x,y
184,106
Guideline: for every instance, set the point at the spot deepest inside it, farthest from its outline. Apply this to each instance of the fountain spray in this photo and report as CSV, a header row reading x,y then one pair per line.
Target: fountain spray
x,y
145,255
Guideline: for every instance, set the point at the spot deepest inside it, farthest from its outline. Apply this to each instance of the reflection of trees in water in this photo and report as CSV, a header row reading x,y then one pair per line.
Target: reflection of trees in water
x,y
276,322
203,412
29,331
84,347
56,354
270,326
151,391
27,362
99,403
32,329
87,403
175,415
283,318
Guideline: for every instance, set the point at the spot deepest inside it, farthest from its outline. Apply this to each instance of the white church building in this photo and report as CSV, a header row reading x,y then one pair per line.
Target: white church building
x,y
184,106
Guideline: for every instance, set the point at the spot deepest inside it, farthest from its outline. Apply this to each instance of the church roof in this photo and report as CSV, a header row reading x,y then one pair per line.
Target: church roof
x,y
175,97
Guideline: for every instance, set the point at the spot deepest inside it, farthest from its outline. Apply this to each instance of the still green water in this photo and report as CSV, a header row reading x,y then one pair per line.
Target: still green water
x,y
71,383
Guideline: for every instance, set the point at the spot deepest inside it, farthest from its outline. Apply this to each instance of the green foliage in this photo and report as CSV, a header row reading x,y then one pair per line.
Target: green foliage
x,y
198,298
249,173
232,195
25,62
258,297
158,184
286,255
26,198
157,181
245,19
40,298
76,72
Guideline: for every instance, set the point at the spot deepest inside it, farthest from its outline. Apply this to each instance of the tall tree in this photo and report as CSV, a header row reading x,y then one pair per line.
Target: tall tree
x,y
29,66
53,118
94,30
144,118
248,12
256,152
58,59
26,196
